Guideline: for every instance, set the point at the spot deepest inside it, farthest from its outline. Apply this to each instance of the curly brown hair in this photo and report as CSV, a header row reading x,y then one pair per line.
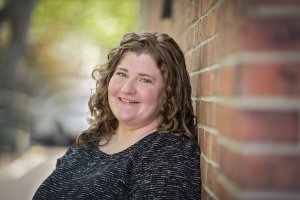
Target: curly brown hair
x,y
177,112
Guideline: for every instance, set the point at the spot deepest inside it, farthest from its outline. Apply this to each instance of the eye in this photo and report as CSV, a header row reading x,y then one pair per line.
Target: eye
x,y
122,74
146,80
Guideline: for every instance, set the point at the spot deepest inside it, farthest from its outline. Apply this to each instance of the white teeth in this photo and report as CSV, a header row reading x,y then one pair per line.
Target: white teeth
x,y
127,100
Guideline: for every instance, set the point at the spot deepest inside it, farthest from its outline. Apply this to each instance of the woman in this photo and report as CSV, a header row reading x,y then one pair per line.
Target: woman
x,y
140,144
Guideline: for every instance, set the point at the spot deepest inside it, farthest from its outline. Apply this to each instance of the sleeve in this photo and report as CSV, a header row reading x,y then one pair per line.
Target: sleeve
x,y
60,160
171,172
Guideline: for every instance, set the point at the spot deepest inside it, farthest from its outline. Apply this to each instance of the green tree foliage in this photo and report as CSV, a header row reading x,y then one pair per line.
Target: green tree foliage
x,y
66,39
14,123
32,65
104,21
55,22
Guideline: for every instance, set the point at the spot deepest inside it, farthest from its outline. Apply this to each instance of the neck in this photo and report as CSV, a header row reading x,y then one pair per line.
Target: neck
x,y
125,132
125,136
122,132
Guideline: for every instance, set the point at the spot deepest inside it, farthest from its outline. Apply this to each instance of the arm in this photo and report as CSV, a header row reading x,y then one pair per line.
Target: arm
x,y
170,172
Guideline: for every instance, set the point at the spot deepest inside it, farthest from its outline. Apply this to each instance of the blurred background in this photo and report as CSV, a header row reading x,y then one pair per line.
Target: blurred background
x,y
244,65
48,51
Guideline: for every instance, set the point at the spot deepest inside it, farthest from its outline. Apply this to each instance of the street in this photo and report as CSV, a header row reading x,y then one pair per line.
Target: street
x,y
20,179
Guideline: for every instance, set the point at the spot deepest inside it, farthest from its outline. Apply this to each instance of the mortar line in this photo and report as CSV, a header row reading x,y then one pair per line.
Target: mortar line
x,y
242,193
260,148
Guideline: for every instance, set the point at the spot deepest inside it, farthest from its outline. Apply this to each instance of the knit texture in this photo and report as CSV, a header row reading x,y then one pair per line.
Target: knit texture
x,y
160,166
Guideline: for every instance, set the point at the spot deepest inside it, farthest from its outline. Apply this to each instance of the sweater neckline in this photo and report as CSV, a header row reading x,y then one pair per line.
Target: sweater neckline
x,y
142,142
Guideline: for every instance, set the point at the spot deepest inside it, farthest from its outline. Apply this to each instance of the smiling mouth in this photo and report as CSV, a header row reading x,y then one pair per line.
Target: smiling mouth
x,y
127,100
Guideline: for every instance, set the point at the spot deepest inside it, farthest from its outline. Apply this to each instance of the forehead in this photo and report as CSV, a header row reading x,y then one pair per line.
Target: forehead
x,y
138,62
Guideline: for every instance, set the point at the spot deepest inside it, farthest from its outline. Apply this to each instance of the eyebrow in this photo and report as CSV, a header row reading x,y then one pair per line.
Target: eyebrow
x,y
140,74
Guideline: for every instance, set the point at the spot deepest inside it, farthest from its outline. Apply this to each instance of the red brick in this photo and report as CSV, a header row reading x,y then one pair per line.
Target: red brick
x,y
262,172
192,38
195,36
199,8
237,33
259,126
182,44
257,3
203,167
219,12
216,51
212,179
199,32
230,39
192,82
195,10
197,55
267,126
202,89
208,145
223,193
203,57
194,66
270,79
210,53
194,104
233,39
219,45
273,33
206,4
189,39
203,23
189,62
207,83
185,3
226,120
211,117
229,14
226,81
201,139
211,20
201,112
189,16
206,113
204,194
215,149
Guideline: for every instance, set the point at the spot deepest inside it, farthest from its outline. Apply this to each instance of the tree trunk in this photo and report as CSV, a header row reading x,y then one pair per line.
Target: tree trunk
x,y
16,14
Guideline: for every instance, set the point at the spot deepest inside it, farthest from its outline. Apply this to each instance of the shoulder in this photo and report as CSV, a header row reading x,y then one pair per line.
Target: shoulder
x,y
168,149
73,153
169,169
181,140
74,149
171,144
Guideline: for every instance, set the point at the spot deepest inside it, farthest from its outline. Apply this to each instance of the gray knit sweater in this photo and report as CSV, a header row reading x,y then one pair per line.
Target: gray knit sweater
x,y
160,166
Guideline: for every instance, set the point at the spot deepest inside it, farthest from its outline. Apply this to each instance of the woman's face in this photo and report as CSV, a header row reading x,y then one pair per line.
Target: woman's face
x,y
135,90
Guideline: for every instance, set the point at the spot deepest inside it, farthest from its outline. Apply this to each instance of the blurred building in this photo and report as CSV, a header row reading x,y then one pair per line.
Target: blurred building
x,y
48,50
14,84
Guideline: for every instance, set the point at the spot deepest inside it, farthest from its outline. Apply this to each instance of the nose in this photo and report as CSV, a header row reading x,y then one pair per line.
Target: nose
x,y
129,86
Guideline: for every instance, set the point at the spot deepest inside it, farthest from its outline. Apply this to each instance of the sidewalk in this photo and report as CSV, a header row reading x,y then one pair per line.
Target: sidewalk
x,y
18,167
20,178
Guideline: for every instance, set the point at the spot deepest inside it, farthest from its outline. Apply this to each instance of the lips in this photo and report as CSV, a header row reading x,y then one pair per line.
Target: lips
x,y
127,100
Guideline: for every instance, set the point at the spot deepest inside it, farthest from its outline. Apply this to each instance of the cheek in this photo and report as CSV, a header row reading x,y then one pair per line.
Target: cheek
x,y
111,93
152,96
112,88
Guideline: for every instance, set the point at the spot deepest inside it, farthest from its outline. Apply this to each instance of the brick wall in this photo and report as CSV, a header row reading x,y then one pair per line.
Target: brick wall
x,y
244,63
